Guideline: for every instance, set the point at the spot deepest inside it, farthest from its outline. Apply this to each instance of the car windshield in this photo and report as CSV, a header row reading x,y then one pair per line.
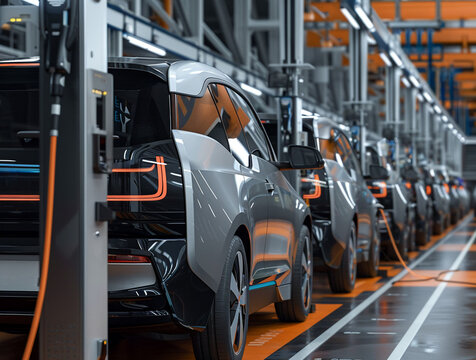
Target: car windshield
x,y
141,108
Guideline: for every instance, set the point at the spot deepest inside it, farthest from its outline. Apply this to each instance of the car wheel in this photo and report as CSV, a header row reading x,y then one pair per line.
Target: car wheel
x,y
225,334
297,308
342,280
369,268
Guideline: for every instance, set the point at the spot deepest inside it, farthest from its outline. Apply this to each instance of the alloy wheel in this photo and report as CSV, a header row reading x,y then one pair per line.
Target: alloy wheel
x,y
306,271
238,303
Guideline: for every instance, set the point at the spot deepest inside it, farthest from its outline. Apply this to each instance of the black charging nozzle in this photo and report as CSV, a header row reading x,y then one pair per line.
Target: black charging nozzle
x,y
58,22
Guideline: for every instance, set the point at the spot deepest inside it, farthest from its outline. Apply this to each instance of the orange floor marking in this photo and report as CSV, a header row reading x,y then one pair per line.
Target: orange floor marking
x,y
266,334
413,254
468,276
454,247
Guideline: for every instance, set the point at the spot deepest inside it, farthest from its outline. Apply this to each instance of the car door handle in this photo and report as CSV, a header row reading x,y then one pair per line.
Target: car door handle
x,y
270,186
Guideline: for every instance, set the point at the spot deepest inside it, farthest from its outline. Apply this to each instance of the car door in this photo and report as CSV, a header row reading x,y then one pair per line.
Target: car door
x,y
280,228
362,196
256,196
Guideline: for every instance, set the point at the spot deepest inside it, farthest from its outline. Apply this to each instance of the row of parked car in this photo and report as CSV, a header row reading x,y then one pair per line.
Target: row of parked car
x,y
208,228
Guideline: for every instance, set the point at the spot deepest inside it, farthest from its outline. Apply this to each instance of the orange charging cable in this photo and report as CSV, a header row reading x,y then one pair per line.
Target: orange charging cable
x,y
46,248
410,271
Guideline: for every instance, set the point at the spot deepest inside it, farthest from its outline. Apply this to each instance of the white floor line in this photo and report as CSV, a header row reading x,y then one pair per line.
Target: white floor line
x,y
326,335
405,342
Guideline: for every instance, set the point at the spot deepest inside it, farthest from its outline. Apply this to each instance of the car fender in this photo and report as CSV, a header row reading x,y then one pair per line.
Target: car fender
x,y
343,210
212,182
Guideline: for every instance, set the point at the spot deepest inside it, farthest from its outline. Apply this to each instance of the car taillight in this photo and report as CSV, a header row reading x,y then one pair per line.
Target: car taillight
x,y
408,185
379,189
447,188
128,259
428,190
317,187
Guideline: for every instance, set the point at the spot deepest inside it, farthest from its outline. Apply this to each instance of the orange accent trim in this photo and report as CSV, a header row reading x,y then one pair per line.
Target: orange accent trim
x,y
132,170
19,64
317,189
161,187
447,188
428,190
408,185
383,190
19,197
159,195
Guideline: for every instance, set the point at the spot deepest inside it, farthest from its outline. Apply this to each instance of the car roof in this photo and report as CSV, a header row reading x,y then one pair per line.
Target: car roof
x,y
184,77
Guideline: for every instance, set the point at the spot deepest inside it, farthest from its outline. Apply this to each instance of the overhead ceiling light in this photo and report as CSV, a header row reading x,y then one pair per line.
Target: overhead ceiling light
x,y
305,112
32,2
145,45
365,18
396,58
437,109
427,97
455,131
406,82
414,81
444,118
350,18
463,140
450,126
420,98
371,40
385,59
251,89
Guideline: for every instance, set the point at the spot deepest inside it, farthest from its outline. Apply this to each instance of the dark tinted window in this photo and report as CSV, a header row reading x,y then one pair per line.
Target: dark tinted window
x,y
344,149
200,115
254,134
141,108
233,129
19,106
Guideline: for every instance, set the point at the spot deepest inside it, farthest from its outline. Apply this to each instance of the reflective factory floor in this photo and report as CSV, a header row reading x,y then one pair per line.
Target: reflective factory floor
x,y
382,318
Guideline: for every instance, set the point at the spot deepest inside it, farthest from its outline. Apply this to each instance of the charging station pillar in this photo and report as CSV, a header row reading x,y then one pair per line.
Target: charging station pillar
x,y
74,319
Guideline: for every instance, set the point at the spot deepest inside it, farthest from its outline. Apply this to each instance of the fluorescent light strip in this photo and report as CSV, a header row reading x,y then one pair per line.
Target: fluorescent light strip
x,y
371,40
396,58
32,2
385,59
414,81
420,98
350,18
145,45
406,82
251,89
427,97
450,126
444,118
437,109
365,18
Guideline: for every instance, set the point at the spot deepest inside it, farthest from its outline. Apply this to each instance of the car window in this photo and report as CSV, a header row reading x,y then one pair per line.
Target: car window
x,y
350,161
236,137
199,115
141,108
255,136
328,148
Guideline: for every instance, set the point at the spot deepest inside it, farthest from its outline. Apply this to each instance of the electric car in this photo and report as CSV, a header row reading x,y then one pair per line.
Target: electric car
x,y
388,188
441,199
207,229
424,204
345,214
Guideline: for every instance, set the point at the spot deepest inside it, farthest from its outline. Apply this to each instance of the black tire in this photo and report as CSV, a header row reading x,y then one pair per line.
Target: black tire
x,y
401,239
297,308
342,279
225,334
369,268
424,235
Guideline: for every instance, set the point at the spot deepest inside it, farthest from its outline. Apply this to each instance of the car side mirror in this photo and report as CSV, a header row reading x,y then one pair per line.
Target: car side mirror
x,y
302,158
378,172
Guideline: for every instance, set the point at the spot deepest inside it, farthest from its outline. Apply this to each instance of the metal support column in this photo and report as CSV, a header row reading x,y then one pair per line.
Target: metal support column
x,y
392,114
411,120
426,130
74,320
358,70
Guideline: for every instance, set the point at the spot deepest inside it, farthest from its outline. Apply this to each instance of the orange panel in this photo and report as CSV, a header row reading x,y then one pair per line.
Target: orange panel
x,y
426,10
